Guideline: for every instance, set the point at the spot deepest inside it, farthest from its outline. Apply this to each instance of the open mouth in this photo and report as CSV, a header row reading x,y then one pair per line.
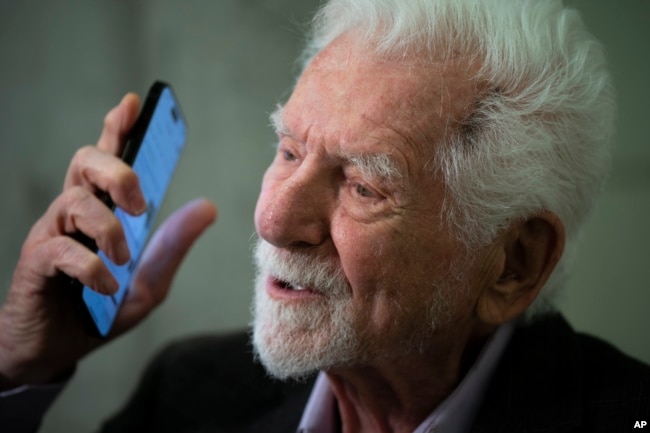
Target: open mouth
x,y
287,287
290,286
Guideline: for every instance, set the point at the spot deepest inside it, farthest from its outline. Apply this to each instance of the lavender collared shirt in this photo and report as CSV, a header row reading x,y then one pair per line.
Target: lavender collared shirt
x,y
455,414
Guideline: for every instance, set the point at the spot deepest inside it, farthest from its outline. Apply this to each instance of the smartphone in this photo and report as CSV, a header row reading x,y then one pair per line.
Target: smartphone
x,y
153,149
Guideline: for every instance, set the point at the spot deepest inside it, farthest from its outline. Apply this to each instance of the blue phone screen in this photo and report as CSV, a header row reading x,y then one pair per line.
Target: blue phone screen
x,y
154,164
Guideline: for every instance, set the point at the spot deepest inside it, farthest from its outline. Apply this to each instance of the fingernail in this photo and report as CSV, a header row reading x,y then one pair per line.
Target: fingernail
x,y
137,202
109,285
123,254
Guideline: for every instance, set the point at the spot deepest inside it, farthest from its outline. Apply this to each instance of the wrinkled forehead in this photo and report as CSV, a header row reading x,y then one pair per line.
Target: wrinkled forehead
x,y
419,97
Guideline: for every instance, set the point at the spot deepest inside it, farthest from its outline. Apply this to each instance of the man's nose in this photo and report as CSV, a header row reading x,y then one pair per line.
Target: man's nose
x,y
295,211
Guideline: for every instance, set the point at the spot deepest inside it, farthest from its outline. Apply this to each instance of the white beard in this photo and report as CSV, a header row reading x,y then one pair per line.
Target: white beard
x,y
297,340
294,340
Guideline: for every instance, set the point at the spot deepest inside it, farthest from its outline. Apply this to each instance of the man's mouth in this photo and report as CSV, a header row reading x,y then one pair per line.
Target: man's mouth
x,y
288,286
280,286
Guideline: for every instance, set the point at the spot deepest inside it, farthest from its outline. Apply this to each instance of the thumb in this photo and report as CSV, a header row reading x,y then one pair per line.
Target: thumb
x,y
161,259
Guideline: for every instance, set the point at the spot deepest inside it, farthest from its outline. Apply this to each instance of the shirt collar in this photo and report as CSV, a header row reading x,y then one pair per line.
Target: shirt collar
x,y
454,415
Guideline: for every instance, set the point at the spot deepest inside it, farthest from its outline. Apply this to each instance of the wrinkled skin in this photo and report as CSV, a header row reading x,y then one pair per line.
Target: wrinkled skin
x,y
41,335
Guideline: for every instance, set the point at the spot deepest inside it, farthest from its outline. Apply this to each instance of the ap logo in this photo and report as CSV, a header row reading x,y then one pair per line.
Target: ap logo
x,y
640,424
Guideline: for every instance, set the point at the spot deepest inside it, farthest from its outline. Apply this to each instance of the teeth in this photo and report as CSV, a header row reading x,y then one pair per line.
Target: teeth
x,y
291,286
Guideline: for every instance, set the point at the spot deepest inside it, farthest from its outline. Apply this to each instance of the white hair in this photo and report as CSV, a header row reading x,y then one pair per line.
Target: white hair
x,y
538,139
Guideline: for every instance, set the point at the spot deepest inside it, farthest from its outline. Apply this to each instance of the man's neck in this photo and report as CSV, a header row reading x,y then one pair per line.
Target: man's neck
x,y
398,394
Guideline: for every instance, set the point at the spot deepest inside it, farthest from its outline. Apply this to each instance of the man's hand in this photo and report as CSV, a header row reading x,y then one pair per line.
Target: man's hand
x,y
41,335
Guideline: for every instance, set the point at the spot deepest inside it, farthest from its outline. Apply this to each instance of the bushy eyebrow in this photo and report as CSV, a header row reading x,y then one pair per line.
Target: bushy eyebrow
x,y
372,166
277,120
375,166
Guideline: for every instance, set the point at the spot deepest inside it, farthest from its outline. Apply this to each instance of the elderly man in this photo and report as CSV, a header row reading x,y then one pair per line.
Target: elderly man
x,y
435,162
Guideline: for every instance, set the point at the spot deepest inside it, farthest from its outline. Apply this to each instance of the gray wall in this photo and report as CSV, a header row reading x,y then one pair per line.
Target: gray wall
x,y
64,64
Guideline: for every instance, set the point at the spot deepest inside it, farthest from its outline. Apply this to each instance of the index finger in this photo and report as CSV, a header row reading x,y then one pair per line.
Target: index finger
x,y
118,123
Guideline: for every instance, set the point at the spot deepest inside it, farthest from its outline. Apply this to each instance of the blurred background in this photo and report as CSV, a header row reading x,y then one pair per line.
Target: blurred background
x,y
65,64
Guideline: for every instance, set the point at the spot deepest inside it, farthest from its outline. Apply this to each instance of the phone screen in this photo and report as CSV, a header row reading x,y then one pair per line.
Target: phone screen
x,y
154,164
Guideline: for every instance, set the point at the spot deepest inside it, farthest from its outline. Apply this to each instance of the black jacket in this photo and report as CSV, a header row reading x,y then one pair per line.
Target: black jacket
x,y
550,379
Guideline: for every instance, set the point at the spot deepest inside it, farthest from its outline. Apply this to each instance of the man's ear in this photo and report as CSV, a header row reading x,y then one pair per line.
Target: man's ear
x,y
529,251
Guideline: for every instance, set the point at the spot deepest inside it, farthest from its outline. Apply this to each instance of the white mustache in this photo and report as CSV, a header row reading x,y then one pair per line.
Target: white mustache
x,y
300,269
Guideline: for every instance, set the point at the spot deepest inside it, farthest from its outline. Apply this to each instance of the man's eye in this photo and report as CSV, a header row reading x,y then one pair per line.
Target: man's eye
x,y
288,156
363,191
